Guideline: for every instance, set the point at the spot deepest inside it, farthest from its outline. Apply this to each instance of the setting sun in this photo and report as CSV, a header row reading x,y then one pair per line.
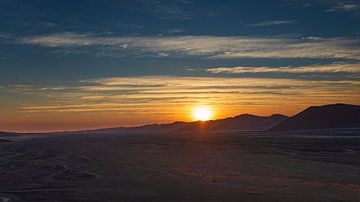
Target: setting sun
x,y
202,113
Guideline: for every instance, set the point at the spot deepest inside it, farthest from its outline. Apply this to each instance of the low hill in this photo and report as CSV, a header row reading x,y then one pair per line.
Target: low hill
x,y
6,134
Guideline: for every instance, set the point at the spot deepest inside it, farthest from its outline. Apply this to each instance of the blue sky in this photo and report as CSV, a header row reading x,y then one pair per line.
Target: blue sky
x,y
327,21
60,48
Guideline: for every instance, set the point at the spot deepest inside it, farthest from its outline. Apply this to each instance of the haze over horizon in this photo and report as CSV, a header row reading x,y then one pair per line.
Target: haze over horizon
x,y
71,65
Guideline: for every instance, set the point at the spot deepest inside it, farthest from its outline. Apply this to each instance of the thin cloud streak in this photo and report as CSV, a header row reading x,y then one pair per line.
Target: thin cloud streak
x,y
332,68
344,7
271,23
212,47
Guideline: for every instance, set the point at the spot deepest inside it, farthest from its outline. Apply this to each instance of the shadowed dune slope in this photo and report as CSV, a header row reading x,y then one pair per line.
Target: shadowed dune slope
x,y
322,117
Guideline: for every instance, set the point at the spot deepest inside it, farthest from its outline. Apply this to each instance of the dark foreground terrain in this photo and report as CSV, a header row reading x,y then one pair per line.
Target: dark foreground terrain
x,y
263,166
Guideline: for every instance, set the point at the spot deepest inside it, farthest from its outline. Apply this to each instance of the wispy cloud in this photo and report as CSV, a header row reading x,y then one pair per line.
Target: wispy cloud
x,y
207,46
173,31
332,68
271,23
343,7
4,36
168,10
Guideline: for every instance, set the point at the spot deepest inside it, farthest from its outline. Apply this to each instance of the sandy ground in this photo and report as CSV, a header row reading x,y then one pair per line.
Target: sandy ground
x,y
181,167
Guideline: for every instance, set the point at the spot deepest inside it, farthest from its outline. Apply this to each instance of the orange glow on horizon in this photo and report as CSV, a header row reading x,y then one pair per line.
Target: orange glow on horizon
x,y
100,104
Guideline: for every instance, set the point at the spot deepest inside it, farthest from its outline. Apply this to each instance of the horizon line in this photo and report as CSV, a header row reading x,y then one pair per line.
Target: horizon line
x,y
135,126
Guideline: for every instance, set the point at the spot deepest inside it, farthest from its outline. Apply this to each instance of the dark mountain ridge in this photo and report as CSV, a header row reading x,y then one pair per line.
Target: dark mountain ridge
x,y
323,117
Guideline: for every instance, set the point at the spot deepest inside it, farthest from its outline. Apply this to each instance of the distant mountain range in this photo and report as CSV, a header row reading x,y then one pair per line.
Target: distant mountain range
x,y
315,117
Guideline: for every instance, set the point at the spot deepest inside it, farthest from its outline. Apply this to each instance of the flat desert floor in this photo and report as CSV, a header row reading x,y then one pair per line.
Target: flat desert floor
x,y
244,166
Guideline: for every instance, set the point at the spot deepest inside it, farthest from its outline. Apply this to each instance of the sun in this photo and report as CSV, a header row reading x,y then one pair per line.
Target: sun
x,y
202,113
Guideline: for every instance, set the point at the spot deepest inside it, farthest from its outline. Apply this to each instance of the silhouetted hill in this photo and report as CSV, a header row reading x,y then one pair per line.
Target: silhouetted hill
x,y
5,134
246,122
237,123
322,117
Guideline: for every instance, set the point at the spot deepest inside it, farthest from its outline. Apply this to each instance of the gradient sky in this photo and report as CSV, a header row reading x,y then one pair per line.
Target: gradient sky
x,y
69,65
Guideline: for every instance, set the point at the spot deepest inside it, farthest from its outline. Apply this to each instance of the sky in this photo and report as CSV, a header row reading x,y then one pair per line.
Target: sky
x,y
71,65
